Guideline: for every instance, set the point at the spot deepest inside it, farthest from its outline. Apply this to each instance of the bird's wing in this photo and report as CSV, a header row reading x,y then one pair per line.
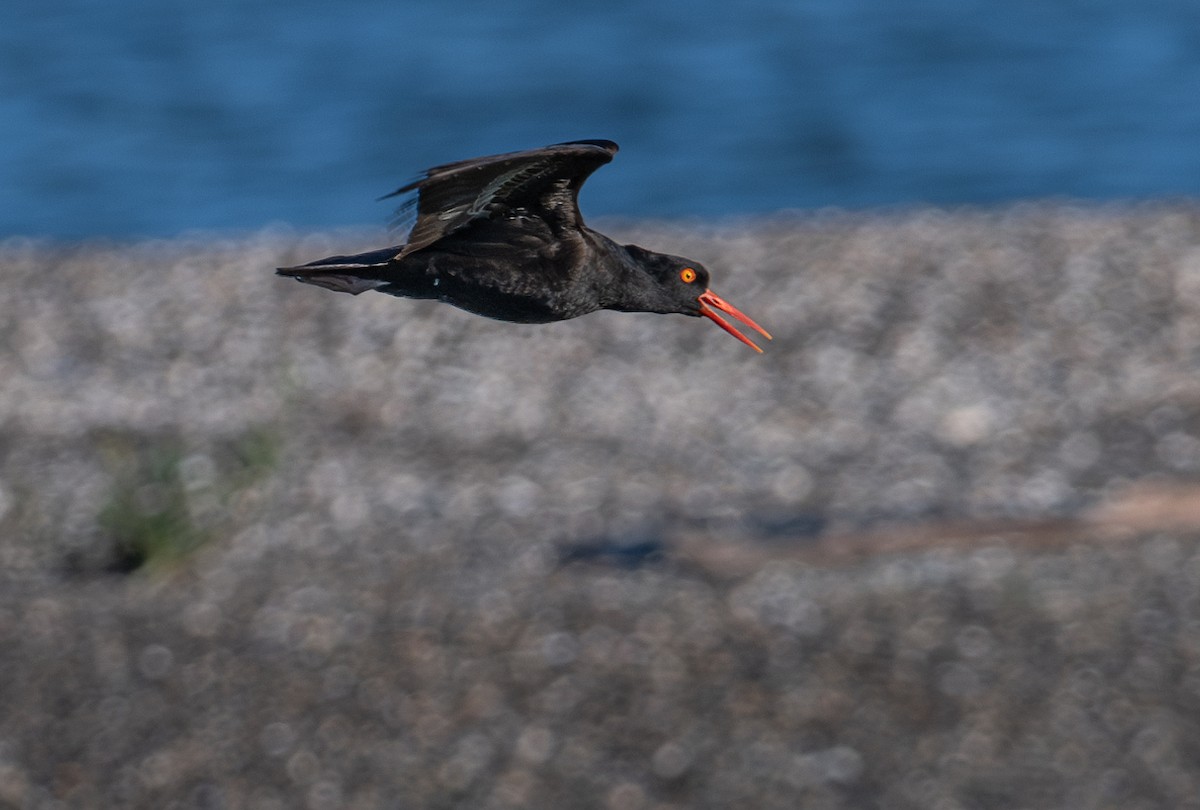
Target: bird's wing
x,y
544,182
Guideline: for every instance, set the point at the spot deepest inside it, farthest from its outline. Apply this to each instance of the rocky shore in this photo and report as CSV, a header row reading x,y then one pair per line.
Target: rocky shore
x,y
264,546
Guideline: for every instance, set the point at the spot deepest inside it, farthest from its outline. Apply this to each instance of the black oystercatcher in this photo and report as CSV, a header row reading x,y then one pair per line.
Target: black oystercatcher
x,y
502,237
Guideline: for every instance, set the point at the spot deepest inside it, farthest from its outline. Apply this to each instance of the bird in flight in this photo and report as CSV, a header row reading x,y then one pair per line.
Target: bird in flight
x,y
502,236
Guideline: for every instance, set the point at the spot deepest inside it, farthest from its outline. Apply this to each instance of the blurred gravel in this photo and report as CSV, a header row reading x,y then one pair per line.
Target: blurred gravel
x,y
456,584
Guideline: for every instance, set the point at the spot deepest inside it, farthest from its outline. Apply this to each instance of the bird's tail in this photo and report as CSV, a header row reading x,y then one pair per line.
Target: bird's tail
x,y
349,274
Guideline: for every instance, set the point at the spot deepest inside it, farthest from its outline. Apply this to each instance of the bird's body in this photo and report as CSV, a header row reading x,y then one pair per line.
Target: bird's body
x,y
502,237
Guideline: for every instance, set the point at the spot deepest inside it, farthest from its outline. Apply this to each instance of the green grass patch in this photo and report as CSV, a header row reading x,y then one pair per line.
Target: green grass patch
x,y
170,497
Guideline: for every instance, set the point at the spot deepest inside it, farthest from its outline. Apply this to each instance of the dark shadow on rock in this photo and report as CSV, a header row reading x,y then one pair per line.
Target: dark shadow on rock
x,y
632,551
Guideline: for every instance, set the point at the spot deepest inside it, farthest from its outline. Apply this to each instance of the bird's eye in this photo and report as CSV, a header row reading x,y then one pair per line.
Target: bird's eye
x,y
688,275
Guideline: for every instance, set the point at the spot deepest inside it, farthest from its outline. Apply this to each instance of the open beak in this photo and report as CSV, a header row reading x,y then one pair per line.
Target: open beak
x,y
710,303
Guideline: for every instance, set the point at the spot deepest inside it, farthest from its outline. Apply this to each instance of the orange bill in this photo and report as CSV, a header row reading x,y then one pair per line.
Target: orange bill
x,y
710,303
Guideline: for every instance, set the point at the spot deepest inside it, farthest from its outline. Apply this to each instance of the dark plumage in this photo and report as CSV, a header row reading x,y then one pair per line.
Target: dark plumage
x,y
502,237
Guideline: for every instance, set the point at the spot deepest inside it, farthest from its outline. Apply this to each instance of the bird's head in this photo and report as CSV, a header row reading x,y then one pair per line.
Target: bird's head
x,y
683,285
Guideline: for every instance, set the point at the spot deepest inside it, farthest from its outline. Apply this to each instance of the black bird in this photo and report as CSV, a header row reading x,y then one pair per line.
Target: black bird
x,y
502,236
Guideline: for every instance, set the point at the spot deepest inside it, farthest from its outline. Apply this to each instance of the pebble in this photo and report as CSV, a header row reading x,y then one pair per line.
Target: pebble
x,y
376,614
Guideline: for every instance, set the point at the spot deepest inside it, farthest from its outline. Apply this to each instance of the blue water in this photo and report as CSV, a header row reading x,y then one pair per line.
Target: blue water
x,y
152,117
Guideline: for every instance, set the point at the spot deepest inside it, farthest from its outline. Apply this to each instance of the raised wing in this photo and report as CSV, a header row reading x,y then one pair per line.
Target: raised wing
x,y
544,182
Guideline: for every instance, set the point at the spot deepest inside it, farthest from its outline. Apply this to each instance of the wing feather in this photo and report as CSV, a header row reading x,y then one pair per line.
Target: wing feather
x,y
540,182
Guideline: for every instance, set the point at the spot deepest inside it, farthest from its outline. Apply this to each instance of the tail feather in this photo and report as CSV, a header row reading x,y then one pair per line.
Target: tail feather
x,y
348,274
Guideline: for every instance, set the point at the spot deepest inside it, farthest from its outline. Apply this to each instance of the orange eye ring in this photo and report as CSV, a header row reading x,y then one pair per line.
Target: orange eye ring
x,y
688,275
